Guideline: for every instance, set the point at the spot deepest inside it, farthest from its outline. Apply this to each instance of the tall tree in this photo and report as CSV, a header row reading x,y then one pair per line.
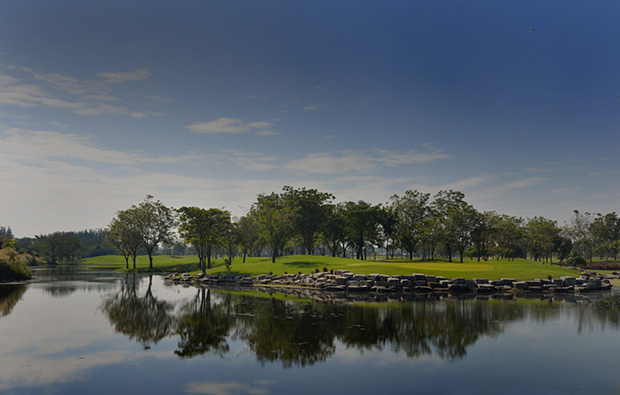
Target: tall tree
x,y
154,222
457,218
276,219
123,234
248,234
333,230
361,225
542,234
310,210
581,231
202,229
410,211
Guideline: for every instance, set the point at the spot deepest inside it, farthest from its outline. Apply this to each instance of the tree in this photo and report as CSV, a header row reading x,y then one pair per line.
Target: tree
x,y
361,221
332,232
248,234
484,227
229,240
154,223
58,247
309,206
510,237
581,232
202,229
410,211
6,237
123,234
606,230
276,220
457,218
542,234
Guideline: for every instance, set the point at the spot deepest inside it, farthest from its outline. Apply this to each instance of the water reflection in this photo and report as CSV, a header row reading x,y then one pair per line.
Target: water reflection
x,y
302,334
9,296
144,318
204,327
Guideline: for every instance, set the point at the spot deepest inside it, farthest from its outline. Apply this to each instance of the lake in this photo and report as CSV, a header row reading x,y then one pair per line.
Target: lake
x,y
75,332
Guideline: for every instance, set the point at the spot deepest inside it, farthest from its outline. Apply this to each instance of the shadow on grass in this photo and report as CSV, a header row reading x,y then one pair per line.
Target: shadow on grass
x,y
302,264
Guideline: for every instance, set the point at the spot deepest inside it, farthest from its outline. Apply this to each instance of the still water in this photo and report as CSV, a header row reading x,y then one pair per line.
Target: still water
x,y
86,332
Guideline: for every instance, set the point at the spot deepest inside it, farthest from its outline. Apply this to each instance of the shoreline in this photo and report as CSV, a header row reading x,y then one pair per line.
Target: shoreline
x,y
340,281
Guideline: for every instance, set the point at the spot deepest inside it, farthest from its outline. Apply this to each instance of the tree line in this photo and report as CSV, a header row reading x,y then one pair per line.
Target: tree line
x,y
300,220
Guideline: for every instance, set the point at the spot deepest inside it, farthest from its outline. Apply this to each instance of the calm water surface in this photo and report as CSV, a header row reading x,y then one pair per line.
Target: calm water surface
x,y
76,332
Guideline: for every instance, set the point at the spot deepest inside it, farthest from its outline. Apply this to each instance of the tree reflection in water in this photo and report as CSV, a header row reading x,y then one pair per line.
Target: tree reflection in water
x,y
145,318
9,296
203,327
302,334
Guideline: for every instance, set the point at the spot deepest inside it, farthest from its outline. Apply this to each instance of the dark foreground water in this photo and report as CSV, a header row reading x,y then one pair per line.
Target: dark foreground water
x,y
104,333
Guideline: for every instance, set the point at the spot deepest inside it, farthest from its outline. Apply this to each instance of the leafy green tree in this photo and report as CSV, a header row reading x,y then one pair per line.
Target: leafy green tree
x,y
123,234
582,233
484,227
333,230
389,230
248,234
276,219
154,222
510,237
410,211
7,239
542,234
361,225
203,229
58,247
457,218
309,206
606,231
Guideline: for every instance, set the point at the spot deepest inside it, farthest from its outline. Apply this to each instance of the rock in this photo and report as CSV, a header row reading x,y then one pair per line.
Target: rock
x,y
458,288
508,281
486,288
479,281
568,280
523,285
393,282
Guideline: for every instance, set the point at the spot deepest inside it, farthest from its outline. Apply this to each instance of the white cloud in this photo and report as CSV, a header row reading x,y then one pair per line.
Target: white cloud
x,y
55,90
315,107
228,126
267,133
116,77
468,183
358,161
330,163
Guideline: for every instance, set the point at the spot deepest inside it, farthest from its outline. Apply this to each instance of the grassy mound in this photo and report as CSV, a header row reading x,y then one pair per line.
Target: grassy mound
x,y
519,269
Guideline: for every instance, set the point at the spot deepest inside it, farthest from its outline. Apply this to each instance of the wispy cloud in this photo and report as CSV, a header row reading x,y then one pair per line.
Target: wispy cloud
x,y
116,77
60,91
360,161
229,126
315,107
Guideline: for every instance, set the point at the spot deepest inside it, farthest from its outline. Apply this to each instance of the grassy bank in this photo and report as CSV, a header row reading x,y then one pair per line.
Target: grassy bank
x,y
520,269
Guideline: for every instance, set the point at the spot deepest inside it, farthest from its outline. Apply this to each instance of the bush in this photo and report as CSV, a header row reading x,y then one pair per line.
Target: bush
x,y
13,266
574,259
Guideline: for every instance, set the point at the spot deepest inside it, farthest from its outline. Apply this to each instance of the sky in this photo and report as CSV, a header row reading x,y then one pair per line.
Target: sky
x,y
209,103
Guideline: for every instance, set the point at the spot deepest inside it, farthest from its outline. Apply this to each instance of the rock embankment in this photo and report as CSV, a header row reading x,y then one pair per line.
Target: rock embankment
x,y
345,281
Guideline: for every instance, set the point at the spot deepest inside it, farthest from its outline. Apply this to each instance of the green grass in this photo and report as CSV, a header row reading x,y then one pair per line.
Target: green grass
x,y
519,269
161,263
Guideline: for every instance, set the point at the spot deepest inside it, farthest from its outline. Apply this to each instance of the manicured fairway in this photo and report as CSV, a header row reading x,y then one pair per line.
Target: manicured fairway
x,y
520,269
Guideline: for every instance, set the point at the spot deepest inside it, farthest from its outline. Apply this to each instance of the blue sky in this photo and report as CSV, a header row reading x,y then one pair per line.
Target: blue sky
x,y
209,103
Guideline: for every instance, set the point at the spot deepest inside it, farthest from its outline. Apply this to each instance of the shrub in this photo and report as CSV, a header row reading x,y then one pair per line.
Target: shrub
x,y
574,259
13,266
